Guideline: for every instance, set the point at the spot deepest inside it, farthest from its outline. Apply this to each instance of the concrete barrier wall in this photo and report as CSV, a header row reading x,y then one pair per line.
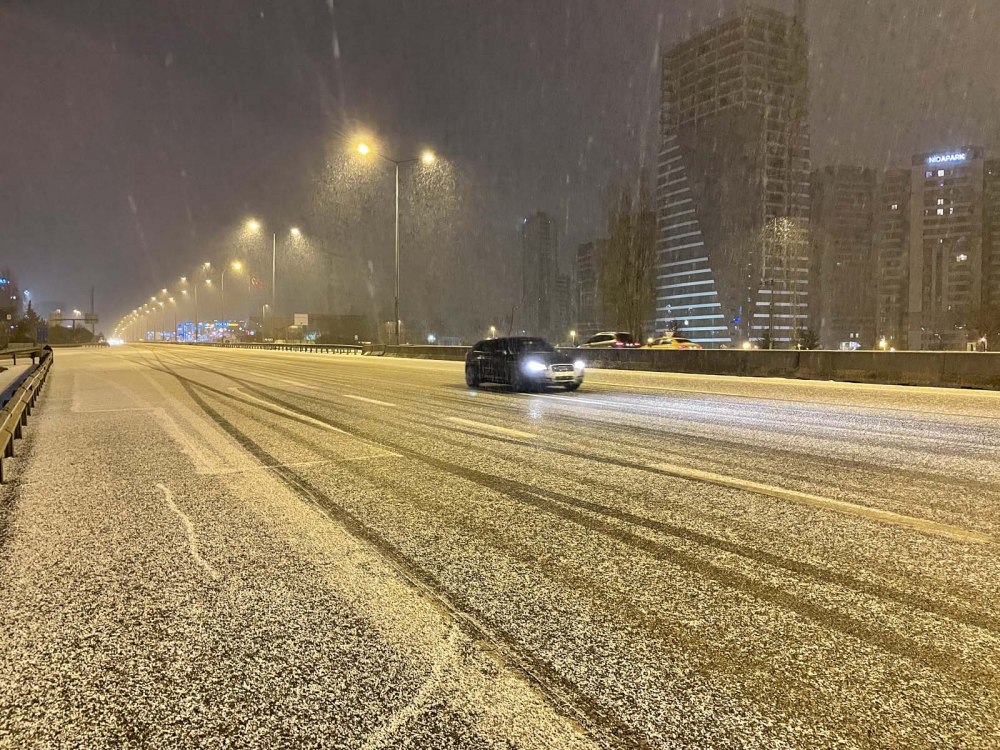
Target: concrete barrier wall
x,y
952,369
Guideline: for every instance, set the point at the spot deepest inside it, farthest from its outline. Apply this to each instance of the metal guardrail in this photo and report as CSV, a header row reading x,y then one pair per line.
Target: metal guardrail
x,y
13,354
312,348
16,407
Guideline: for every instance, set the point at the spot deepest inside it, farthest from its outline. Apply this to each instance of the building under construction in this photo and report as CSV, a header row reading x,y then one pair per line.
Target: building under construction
x,y
733,182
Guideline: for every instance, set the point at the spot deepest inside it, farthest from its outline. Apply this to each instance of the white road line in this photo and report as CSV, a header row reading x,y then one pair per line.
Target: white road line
x,y
954,533
569,399
289,412
189,530
368,400
297,384
491,428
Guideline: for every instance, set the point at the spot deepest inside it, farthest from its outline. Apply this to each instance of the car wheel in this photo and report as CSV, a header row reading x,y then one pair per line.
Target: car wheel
x,y
472,376
572,386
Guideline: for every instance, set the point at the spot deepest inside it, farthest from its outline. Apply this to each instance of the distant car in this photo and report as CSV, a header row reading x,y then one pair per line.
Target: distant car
x,y
524,363
672,342
610,340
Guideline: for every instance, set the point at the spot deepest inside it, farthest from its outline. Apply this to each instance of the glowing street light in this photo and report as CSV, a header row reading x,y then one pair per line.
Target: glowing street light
x,y
253,225
236,266
427,158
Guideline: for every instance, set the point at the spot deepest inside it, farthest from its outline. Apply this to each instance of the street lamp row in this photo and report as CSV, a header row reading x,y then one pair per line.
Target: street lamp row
x,y
253,225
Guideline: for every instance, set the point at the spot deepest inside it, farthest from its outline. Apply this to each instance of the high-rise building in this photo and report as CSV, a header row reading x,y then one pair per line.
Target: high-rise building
x,y
539,266
589,305
843,281
562,309
892,252
733,182
954,252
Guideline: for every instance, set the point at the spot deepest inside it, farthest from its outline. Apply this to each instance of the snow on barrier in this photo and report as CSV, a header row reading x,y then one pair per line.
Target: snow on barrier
x,y
948,369
18,400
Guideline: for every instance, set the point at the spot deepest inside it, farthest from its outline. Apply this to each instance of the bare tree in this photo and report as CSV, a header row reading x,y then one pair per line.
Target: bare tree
x,y
626,274
984,323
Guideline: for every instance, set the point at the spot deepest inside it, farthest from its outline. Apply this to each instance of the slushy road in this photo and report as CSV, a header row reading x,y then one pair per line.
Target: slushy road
x,y
213,548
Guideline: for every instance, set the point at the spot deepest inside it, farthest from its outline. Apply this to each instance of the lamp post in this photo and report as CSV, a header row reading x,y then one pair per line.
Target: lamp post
x,y
236,266
206,266
572,337
427,158
253,225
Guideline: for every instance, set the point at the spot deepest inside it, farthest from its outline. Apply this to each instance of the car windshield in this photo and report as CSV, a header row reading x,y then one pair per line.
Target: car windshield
x,y
625,338
532,346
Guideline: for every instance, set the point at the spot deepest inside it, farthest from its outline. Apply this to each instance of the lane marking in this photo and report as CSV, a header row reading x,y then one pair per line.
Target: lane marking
x,y
368,400
947,531
289,412
189,531
297,384
568,399
491,428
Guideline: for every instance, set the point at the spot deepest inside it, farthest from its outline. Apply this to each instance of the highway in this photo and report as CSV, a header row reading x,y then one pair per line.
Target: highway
x,y
231,548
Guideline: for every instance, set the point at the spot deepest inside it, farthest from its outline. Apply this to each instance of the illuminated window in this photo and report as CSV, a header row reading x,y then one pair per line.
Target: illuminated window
x,y
940,201
940,173
928,174
962,257
895,207
940,212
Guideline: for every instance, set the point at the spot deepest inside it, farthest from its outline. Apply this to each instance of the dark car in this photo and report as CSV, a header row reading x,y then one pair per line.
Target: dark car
x,y
610,340
522,362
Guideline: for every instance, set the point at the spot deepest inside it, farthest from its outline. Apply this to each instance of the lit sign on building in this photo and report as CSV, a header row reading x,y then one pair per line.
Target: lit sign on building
x,y
947,158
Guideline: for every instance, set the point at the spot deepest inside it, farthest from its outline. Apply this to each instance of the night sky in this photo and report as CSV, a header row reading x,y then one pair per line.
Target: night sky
x,y
138,135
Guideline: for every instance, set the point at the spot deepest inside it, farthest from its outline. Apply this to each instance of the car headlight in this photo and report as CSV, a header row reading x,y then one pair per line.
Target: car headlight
x,y
578,365
533,365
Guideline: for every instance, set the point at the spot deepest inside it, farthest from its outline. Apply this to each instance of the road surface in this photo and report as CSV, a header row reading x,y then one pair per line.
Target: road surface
x,y
217,548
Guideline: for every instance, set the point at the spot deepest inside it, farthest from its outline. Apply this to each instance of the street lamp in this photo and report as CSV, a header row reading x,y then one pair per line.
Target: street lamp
x,y
572,337
253,225
236,266
427,158
493,332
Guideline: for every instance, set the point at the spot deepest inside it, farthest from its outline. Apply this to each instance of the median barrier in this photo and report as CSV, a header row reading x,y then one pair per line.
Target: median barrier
x,y
17,401
951,369
429,351
308,348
